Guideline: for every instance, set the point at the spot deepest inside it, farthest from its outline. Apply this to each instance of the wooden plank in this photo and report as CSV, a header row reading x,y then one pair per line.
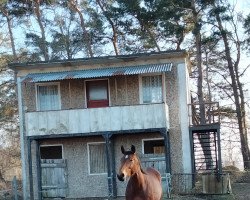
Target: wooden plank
x,y
158,116
116,119
84,121
54,182
42,123
147,115
73,122
103,119
96,119
138,117
52,122
64,121
125,118
93,116
32,123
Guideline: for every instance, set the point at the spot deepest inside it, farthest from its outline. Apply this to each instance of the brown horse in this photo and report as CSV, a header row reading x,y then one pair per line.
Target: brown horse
x,y
142,185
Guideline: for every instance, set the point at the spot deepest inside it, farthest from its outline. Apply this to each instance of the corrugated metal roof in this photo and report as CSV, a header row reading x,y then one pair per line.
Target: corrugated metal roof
x,y
95,73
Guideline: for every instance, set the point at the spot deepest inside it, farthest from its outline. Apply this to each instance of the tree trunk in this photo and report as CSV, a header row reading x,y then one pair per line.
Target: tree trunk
x,y
73,6
238,96
6,14
114,38
66,40
151,35
203,138
39,20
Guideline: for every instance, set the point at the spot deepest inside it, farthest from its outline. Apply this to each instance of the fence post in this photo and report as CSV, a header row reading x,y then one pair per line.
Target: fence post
x,y
14,188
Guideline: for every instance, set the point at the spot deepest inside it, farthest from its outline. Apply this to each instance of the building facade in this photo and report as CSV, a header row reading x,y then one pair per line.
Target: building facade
x,y
76,114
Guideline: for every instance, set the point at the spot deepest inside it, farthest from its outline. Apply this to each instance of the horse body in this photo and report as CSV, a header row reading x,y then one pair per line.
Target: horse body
x,y
142,185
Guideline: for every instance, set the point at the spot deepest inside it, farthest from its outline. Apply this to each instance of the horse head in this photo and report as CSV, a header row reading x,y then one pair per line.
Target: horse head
x,y
130,164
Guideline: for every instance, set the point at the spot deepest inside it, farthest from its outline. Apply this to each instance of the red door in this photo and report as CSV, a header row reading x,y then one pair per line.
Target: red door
x,y
97,94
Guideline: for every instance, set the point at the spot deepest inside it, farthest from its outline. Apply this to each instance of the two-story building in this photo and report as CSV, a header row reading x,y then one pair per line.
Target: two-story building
x,y
76,114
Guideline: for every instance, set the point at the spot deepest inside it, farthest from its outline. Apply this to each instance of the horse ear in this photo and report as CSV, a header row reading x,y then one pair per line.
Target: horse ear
x,y
122,149
132,148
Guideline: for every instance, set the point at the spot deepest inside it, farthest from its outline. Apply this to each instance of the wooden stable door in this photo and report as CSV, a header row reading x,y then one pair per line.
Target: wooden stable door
x,y
97,94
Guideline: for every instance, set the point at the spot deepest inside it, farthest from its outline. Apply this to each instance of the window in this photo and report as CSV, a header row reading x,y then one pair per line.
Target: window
x,y
48,97
153,146
152,89
97,158
97,93
51,152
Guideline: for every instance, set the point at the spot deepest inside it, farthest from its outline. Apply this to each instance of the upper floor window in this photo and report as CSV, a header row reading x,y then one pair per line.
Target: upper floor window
x,y
48,97
152,89
97,93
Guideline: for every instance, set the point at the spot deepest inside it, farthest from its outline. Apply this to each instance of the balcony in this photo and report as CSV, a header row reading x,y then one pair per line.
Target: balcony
x,y
211,114
94,120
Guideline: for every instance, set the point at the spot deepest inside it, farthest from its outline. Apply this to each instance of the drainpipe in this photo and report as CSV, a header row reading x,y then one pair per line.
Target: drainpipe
x,y
22,137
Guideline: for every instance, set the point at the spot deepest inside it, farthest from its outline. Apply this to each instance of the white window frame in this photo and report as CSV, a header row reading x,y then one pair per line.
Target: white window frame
x,y
94,143
163,87
47,84
150,139
49,145
85,88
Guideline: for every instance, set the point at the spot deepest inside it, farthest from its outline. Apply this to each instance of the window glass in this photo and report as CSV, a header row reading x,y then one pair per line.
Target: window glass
x,y
154,146
152,89
98,92
48,97
97,158
51,152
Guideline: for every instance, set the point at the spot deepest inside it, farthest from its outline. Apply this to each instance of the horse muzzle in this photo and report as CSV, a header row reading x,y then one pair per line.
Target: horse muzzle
x,y
121,177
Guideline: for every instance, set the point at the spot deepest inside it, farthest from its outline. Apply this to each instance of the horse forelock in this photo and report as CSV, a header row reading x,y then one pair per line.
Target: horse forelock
x,y
127,153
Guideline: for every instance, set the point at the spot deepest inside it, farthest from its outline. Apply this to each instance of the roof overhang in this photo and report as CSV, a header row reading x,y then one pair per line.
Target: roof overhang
x,y
97,73
103,60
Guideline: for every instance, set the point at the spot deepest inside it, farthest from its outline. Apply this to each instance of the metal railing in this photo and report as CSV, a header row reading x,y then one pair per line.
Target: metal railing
x,y
211,113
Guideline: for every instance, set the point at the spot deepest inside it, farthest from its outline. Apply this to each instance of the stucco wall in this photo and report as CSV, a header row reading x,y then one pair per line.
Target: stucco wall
x,y
174,131
124,90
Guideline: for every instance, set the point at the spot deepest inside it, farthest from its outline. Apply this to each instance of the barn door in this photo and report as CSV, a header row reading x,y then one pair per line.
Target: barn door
x,y
154,156
54,177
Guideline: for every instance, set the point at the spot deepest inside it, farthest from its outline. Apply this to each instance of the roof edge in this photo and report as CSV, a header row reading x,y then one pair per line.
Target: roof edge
x,y
98,60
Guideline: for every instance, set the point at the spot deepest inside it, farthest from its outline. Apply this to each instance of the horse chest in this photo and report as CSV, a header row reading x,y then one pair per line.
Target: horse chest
x,y
139,194
138,197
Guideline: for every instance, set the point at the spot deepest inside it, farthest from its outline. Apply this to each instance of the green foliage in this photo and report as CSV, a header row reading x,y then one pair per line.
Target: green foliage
x,y
246,26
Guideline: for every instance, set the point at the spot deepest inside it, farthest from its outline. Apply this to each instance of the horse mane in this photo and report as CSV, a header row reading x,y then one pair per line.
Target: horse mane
x,y
142,170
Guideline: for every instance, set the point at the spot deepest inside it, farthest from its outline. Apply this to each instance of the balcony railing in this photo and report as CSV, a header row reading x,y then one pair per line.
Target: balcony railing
x,y
118,118
204,114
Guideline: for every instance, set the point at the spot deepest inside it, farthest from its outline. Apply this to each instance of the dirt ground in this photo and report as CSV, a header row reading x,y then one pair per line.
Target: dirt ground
x,y
240,191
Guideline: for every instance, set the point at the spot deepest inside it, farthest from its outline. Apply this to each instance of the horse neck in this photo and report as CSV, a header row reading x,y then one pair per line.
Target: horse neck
x,y
138,177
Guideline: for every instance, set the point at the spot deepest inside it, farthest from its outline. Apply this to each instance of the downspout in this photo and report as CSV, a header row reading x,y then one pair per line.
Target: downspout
x,y
22,137
110,161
